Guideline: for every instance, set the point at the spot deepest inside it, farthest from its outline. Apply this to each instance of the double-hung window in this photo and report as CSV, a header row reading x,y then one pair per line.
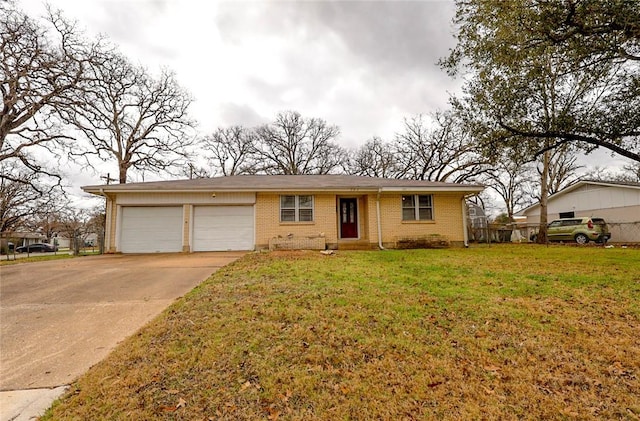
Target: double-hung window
x,y
417,207
296,208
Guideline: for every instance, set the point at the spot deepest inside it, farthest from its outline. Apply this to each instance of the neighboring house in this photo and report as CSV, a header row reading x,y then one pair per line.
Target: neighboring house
x,y
278,211
477,222
17,239
477,216
61,242
23,238
88,240
617,202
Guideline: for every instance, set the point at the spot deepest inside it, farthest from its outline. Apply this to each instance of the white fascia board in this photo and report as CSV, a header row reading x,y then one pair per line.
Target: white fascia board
x,y
457,189
438,189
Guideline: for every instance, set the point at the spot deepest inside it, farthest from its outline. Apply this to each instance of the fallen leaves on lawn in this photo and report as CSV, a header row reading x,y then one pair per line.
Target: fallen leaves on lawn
x,y
491,367
245,386
181,404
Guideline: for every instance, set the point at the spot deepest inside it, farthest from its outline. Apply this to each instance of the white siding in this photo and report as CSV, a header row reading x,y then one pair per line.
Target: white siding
x,y
594,197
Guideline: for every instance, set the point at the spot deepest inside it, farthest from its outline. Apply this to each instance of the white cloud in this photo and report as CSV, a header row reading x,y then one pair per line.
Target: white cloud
x,y
360,65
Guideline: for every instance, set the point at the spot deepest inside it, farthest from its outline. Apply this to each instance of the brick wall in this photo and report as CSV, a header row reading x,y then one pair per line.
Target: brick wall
x,y
268,223
372,218
447,220
112,216
186,227
447,210
447,213
297,243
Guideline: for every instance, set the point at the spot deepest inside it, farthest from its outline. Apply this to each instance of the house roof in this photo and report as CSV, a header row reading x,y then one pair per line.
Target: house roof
x,y
283,183
578,184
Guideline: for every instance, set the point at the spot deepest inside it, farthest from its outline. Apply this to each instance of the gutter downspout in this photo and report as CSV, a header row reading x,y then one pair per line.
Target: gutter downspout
x,y
464,222
378,219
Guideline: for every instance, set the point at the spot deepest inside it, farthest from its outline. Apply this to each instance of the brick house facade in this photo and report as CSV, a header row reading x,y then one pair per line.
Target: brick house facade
x,y
260,212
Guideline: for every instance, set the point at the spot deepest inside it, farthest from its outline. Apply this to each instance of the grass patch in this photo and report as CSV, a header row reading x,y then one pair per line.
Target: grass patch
x,y
35,257
502,332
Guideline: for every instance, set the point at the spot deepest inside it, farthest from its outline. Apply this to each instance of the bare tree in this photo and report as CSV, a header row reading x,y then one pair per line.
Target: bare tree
x,y
47,221
442,153
78,224
509,178
71,225
129,116
561,171
95,224
42,69
295,145
375,158
24,195
231,150
631,173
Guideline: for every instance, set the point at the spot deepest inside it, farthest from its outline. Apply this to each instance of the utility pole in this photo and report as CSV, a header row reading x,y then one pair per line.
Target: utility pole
x,y
108,178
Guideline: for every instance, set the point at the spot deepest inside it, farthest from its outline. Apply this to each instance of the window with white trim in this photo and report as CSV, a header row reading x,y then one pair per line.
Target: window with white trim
x,y
417,207
297,208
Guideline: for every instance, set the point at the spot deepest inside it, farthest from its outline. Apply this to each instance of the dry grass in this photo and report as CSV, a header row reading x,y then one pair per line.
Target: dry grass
x,y
34,257
506,332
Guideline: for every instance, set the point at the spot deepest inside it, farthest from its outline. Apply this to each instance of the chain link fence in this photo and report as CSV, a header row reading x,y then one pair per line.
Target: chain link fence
x,y
499,233
624,232
621,232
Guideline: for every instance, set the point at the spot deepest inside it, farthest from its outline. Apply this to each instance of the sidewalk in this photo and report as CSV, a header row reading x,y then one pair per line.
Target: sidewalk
x,y
25,405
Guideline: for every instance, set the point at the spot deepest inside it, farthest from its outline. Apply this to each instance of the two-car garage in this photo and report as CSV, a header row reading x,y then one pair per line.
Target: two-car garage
x,y
153,229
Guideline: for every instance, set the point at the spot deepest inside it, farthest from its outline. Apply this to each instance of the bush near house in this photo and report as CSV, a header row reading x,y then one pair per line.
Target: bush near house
x,y
501,332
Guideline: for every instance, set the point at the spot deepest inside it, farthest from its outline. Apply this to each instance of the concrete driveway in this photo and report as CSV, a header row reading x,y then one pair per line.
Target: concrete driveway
x,y
61,317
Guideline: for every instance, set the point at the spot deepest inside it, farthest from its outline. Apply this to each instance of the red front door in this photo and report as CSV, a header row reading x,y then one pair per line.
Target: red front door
x,y
348,218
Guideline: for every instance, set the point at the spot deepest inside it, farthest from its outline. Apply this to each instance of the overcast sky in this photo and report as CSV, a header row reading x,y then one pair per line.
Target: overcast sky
x,y
360,65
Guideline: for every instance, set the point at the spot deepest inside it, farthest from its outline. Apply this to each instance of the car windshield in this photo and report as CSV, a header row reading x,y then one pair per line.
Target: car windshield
x,y
598,221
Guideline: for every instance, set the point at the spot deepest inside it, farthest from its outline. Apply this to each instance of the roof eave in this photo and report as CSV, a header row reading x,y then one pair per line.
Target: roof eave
x,y
573,187
458,189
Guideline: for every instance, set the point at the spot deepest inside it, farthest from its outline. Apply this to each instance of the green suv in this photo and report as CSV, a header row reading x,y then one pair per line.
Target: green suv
x,y
580,229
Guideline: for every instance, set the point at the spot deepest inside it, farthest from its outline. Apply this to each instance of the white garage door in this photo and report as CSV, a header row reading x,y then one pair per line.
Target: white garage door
x,y
221,228
151,229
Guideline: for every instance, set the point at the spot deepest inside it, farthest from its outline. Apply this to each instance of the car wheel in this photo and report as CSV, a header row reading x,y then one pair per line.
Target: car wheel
x,y
534,238
582,239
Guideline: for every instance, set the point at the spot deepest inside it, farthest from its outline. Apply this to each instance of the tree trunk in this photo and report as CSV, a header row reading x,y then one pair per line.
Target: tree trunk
x,y
122,174
544,194
76,243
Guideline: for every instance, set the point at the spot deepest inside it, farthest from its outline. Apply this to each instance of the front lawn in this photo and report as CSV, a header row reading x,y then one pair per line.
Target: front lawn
x,y
501,332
